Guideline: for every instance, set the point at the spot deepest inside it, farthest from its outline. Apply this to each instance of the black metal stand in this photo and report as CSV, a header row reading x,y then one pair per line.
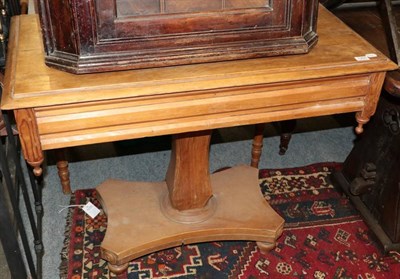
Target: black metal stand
x,y
12,181
9,239
13,184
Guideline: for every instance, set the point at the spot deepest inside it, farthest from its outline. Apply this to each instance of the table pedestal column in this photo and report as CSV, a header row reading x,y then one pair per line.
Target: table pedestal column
x,y
190,207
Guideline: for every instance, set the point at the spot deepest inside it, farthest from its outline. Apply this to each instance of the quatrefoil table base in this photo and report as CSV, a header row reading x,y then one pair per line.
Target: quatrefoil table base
x,y
138,223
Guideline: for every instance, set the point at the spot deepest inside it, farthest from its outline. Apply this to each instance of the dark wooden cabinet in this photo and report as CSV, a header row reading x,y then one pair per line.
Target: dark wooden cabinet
x,y
371,176
83,36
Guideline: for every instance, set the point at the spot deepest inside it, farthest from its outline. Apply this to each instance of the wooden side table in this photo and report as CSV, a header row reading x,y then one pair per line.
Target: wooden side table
x,y
56,110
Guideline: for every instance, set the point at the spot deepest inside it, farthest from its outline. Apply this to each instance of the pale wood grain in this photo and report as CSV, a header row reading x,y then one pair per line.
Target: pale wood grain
x,y
333,56
188,177
136,228
95,122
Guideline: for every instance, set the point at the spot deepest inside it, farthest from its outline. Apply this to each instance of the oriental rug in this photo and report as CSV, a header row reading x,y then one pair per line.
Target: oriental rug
x,y
324,237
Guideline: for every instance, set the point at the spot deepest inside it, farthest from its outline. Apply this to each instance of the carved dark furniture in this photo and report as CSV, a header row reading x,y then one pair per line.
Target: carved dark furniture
x,y
95,36
370,174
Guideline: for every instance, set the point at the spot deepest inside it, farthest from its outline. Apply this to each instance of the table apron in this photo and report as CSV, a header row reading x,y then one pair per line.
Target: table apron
x,y
121,119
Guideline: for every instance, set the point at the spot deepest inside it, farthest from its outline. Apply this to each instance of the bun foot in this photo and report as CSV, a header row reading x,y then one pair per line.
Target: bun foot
x,y
359,129
37,171
265,247
118,269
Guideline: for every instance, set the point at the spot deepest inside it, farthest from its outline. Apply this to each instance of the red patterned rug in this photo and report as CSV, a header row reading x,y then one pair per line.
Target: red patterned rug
x,y
324,237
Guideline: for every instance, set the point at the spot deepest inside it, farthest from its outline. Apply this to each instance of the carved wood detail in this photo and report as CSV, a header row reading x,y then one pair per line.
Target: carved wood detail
x,y
29,136
371,100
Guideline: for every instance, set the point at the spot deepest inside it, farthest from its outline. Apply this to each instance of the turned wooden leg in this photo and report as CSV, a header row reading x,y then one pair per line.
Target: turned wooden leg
x,y
287,128
257,145
63,172
188,177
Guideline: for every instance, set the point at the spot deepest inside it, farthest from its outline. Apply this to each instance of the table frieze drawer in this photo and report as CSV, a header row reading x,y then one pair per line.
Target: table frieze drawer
x,y
180,112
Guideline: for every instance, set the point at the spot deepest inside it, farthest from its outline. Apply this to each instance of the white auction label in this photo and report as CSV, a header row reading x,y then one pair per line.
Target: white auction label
x,y
91,210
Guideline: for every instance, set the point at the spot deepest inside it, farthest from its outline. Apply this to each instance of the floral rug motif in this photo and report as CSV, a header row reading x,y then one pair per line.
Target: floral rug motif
x,y
324,237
